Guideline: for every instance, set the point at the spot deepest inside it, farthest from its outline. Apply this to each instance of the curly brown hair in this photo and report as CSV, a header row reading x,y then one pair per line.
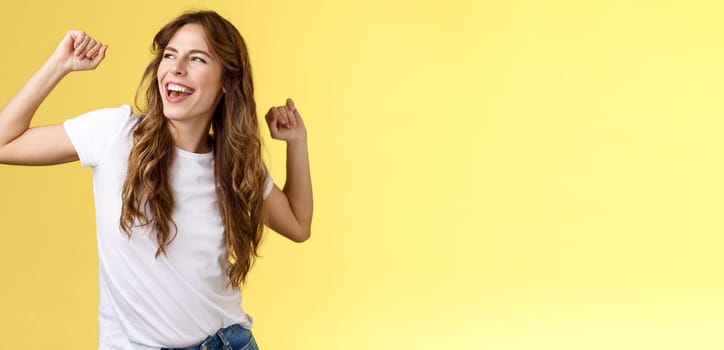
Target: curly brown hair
x,y
239,172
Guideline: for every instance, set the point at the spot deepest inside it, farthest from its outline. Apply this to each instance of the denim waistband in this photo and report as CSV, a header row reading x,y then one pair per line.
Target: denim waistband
x,y
229,338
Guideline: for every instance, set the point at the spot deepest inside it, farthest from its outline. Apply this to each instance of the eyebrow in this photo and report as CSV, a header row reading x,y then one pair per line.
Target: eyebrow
x,y
169,48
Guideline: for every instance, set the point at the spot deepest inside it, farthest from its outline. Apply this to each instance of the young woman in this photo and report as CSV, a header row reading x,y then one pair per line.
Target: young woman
x,y
181,192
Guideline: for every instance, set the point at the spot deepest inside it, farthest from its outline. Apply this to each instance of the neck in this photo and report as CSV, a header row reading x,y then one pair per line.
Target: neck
x,y
191,137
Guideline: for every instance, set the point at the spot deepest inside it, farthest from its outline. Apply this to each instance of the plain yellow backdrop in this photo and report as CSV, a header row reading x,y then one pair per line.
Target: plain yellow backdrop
x,y
487,174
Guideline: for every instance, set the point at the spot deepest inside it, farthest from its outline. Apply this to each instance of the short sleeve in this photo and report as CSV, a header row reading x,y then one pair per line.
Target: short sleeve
x,y
92,134
268,186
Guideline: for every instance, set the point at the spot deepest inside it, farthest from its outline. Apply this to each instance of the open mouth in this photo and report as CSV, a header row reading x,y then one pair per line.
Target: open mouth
x,y
175,90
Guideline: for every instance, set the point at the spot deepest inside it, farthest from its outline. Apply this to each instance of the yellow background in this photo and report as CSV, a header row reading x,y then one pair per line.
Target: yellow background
x,y
487,174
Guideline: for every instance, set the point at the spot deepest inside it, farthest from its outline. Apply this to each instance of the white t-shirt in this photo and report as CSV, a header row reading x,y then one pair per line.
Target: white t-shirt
x,y
177,299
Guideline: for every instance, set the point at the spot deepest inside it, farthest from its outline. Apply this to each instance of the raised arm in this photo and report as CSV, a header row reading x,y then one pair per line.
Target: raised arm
x,y
45,145
289,212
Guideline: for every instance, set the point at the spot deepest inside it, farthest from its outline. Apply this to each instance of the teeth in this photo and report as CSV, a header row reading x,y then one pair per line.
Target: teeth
x,y
178,88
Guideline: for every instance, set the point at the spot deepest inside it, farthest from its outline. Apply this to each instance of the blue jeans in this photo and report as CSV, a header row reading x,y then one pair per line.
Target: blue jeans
x,y
234,337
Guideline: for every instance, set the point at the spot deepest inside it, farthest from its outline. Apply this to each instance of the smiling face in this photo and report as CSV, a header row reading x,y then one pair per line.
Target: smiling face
x,y
189,77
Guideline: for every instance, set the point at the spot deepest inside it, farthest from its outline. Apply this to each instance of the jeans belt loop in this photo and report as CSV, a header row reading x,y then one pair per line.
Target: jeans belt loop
x,y
222,336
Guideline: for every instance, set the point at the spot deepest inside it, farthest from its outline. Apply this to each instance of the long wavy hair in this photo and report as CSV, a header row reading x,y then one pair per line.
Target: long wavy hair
x,y
239,172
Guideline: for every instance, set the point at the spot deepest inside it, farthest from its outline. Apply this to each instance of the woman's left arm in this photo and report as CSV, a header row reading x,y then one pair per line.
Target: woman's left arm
x,y
289,211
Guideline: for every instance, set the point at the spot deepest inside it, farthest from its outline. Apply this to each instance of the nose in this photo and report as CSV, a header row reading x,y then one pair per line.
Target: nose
x,y
178,68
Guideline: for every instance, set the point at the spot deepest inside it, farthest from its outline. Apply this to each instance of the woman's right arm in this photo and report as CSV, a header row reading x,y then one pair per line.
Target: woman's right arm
x,y
45,145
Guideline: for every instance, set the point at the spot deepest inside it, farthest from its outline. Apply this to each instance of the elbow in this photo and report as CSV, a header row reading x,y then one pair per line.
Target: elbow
x,y
302,235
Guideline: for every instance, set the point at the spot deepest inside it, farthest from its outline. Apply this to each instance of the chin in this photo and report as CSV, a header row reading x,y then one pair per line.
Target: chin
x,y
173,113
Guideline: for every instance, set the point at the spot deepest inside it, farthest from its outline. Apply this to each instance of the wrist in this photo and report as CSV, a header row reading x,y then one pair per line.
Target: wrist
x,y
57,68
298,142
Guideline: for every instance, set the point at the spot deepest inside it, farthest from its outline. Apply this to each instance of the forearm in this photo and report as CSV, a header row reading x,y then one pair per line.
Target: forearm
x,y
15,117
298,186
